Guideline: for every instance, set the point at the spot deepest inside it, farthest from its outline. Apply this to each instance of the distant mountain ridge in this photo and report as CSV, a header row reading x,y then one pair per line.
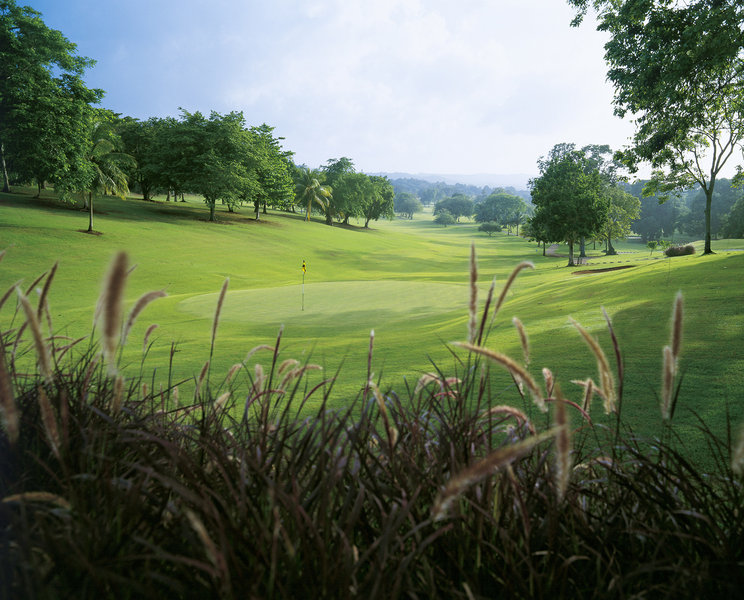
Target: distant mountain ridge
x,y
515,180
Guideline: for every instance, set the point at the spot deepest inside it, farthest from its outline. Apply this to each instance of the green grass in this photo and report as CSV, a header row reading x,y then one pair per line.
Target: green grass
x,y
405,279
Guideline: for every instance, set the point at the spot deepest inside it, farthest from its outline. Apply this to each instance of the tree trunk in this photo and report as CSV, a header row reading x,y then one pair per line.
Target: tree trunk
x,y
90,212
38,188
570,253
708,202
182,198
167,197
211,210
6,181
582,248
610,250
329,219
544,244
257,209
366,223
264,208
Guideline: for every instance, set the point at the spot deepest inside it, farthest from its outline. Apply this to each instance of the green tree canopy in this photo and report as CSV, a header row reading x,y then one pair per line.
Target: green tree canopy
x,y
568,196
678,68
407,204
309,188
457,205
45,108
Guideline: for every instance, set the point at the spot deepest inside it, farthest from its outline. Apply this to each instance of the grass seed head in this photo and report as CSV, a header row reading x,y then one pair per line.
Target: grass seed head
x,y
139,306
42,352
111,307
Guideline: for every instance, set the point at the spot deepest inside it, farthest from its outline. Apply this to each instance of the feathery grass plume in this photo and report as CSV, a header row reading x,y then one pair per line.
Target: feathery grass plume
x,y
8,406
589,389
606,379
486,311
298,372
517,371
118,394
200,380
523,339
473,306
252,351
369,360
258,379
174,395
505,409
427,378
145,389
512,277
35,282
49,420
667,383
392,432
562,446
37,497
677,326
42,352
148,333
737,456
219,404
231,373
287,364
45,290
139,306
209,546
549,381
483,468
217,312
10,290
111,307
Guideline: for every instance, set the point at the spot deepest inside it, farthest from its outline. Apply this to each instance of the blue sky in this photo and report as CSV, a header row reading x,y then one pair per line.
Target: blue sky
x,y
418,86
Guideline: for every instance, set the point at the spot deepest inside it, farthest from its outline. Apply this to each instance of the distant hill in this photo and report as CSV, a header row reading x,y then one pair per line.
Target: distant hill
x,y
517,181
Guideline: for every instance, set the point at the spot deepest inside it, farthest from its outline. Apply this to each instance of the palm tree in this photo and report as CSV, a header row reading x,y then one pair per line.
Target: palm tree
x,y
108,166
310,188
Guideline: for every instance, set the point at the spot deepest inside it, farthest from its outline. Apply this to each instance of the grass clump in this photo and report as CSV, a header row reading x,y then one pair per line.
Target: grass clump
x,y
680,250
111,488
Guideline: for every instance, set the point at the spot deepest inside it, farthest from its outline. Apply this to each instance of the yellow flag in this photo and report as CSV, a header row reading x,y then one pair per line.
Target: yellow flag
x,y
304,267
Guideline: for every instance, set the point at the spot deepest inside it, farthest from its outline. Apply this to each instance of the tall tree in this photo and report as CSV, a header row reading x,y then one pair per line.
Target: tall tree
x,y
309,188
45,107
108,165
568,197
379,203
407,204
270,167
622,210
678,68
458,205
342,205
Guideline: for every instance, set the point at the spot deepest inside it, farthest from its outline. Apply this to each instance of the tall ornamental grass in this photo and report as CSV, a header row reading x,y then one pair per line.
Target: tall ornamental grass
x,y
112,486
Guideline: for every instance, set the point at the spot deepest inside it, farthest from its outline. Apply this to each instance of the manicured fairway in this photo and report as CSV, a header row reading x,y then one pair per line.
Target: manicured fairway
x,y
407,280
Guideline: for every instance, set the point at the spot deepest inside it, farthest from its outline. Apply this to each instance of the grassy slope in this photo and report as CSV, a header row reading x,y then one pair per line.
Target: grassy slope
x,y
176,249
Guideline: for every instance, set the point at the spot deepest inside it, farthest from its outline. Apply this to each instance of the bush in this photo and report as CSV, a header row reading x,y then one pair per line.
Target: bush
x,y
109,488
680,250
490,228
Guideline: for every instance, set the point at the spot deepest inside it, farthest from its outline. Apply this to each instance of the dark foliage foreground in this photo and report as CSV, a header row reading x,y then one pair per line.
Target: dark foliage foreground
x,y
109,490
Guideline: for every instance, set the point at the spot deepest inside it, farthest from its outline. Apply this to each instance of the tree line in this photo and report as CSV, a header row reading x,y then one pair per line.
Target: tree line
x,y
53,133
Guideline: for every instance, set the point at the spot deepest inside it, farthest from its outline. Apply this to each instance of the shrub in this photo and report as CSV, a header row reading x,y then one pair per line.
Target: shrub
x,y
680,250
110,488
490,228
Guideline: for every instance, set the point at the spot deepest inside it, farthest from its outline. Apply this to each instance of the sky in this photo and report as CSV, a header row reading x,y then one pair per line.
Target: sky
x,y
415,86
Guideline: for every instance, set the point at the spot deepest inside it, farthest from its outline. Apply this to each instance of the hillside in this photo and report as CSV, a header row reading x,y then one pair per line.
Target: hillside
x,y
407,280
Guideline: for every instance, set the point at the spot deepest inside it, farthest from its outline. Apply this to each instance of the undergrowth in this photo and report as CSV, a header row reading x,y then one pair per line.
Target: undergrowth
x,y
112,489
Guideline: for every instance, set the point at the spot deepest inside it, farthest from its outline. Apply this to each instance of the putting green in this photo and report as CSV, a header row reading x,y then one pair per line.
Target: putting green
x,y
356,303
